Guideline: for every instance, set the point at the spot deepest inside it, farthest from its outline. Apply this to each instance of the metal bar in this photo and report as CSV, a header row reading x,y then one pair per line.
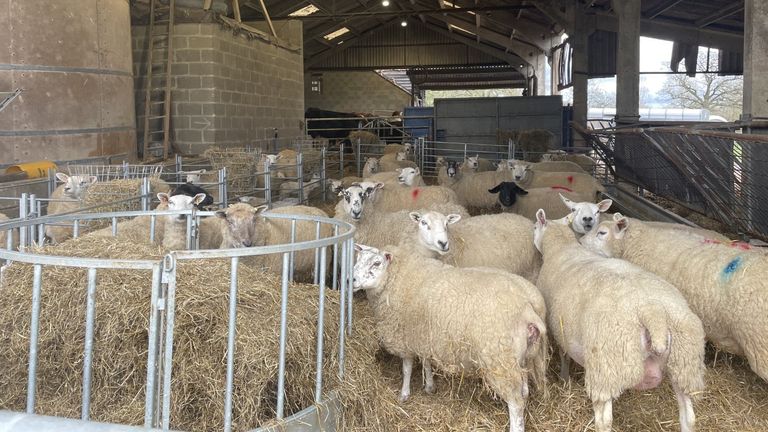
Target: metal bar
x,y
114,226
32,213
152,224
293,254
283,337
76,228
342,306
359,167
90,316
335,283
170,315
152,349
317,253
320,328
323,174
231,345
23,215
300,176
350,272
34,334
266,16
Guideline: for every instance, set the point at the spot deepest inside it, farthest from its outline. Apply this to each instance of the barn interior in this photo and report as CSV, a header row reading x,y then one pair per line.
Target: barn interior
x,y
284,103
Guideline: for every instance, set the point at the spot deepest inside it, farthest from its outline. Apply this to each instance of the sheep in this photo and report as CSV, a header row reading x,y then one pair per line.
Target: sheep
x,y
175,227
725,284
371,167
503,241
446,172
391,197
246,226
266,160
476,164
5,233
337,186
194,177
602,308
576,181
585,162
585,215
397,148
554,166
505,164
191,190
384,177
379,228
138,229
286,163
465,321
73,190
525,202
391,162
291,187
472,189
410,177
693,230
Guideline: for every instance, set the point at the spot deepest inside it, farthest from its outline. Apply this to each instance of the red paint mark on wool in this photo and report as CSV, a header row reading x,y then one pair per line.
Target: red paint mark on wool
x,y
733,243
562,188
415,193
570,179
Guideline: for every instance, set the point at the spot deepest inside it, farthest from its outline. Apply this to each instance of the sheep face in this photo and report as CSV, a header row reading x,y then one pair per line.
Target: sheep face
x,y
371,165
508,193
520,171
408,176
452,168
408,148
353,199
402,155
433,229
335,186
75,187
241,220
471,162
180,202
194,177
607,238
270,159
585,215
370,268
505,165
441,162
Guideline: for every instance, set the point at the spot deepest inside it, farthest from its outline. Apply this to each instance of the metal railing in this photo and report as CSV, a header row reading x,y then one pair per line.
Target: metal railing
x,y
157,406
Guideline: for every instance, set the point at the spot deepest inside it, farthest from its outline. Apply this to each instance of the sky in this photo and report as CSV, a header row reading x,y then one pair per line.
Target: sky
x,y
654,57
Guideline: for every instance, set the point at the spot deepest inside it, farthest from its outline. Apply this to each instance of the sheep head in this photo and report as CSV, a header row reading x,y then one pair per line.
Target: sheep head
x,y
585,215
75,187
607,239
433,229
370,268
241,224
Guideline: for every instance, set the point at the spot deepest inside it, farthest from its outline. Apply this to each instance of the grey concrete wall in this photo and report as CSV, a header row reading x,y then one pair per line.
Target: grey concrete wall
x,y
228,90
72,58
356,92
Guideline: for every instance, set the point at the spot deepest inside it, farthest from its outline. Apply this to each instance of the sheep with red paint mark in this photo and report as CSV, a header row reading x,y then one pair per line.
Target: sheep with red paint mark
x,y
577,181
726,286
626,326
526,202
387,197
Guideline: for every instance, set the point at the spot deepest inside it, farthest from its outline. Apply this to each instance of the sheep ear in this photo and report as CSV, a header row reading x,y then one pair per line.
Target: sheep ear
x,y
617,216
541,217
521,191
399,170
496,189
621,227
378,186
415,216
63,177
388,256
418,172
259,209
221,214
203,171
604,205
453,218
568,203
92,179
163,197
198,198
361,247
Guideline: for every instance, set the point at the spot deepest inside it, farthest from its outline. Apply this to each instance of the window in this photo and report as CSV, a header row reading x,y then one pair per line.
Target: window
x,y
337,33
306,10
316,84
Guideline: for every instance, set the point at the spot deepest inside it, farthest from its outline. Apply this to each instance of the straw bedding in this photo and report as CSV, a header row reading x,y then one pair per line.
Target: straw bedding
x,y
241,164
735,399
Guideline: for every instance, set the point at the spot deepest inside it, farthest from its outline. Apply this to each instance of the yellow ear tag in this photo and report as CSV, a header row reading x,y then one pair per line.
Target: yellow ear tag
x,y
570,218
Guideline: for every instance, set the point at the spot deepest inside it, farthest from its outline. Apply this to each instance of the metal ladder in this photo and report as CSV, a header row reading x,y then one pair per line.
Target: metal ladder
x,y
157,102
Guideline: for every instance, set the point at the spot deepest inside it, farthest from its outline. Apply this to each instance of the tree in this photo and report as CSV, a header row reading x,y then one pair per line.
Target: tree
x,y
597,97
720,95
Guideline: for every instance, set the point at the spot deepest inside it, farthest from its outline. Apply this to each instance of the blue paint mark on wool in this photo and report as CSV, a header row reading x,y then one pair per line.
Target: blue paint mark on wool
x,y
731,268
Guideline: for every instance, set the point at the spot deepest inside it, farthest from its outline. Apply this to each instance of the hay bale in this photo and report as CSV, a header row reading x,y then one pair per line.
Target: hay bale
x,y
241,164
199,369
364,137
108,194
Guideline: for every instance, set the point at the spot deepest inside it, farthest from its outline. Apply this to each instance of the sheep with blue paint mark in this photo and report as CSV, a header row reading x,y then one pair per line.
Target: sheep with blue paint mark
x,y
724,283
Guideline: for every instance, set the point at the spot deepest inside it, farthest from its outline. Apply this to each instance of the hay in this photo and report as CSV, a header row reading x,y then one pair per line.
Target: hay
x,y
364,137
108,194
199,348
241,164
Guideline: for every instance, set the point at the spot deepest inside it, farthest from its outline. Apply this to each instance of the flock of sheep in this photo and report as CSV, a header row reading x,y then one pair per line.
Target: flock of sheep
x,y
629,301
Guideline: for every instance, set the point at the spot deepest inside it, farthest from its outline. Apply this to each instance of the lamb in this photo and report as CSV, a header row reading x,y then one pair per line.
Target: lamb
x,y
725,284
371,167
191,190
580,182
526,202
379,228
585,215
390,197
391,162
73,190
476,164
465,321
502,241
175,227
246,226
602,308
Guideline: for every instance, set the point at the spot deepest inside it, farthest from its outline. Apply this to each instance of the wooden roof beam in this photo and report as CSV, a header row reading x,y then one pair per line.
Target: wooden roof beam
x,y
719,15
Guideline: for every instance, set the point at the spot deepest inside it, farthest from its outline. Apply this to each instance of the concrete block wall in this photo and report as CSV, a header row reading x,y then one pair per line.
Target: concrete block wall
x,y
228,90
355,91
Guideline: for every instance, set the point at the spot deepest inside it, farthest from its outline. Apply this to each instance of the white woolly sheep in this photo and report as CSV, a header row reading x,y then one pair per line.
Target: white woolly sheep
x,y
502,241
175,227
138,229
697,231
585,162
194,177
476,164
464,321
585,215
725,284
371,167
472,188
70,195
554,166
285,163
410,177
526,202
447,172
384,177
505,164
627,327
394,197
407,148
576,181
393,161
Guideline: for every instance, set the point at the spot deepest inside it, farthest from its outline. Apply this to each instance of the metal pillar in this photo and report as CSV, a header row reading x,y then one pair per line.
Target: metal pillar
x,y
579,39
628,62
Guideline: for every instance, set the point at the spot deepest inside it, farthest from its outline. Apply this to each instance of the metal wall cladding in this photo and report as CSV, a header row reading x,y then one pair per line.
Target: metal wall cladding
x,y
76,75
602,54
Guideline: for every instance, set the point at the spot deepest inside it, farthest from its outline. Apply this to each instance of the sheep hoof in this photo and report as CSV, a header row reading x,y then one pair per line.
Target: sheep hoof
x,y
430,389
404,397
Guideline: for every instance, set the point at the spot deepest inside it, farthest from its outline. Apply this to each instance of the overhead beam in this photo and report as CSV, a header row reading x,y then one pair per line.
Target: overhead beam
x,y
478,24
319,57
523,50
660,8
552,11
718,15
425,11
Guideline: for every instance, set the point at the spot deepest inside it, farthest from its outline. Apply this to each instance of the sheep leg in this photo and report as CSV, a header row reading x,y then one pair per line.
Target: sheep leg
x,y
603,415
685,407
405,391
516,416
565,366
429,387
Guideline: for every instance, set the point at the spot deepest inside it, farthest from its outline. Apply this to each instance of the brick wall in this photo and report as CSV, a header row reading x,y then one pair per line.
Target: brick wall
x,y
356,92
227,90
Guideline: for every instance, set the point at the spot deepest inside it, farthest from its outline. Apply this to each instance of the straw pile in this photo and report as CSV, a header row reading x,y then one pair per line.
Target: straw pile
x,y
108,194
241,164
120,353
